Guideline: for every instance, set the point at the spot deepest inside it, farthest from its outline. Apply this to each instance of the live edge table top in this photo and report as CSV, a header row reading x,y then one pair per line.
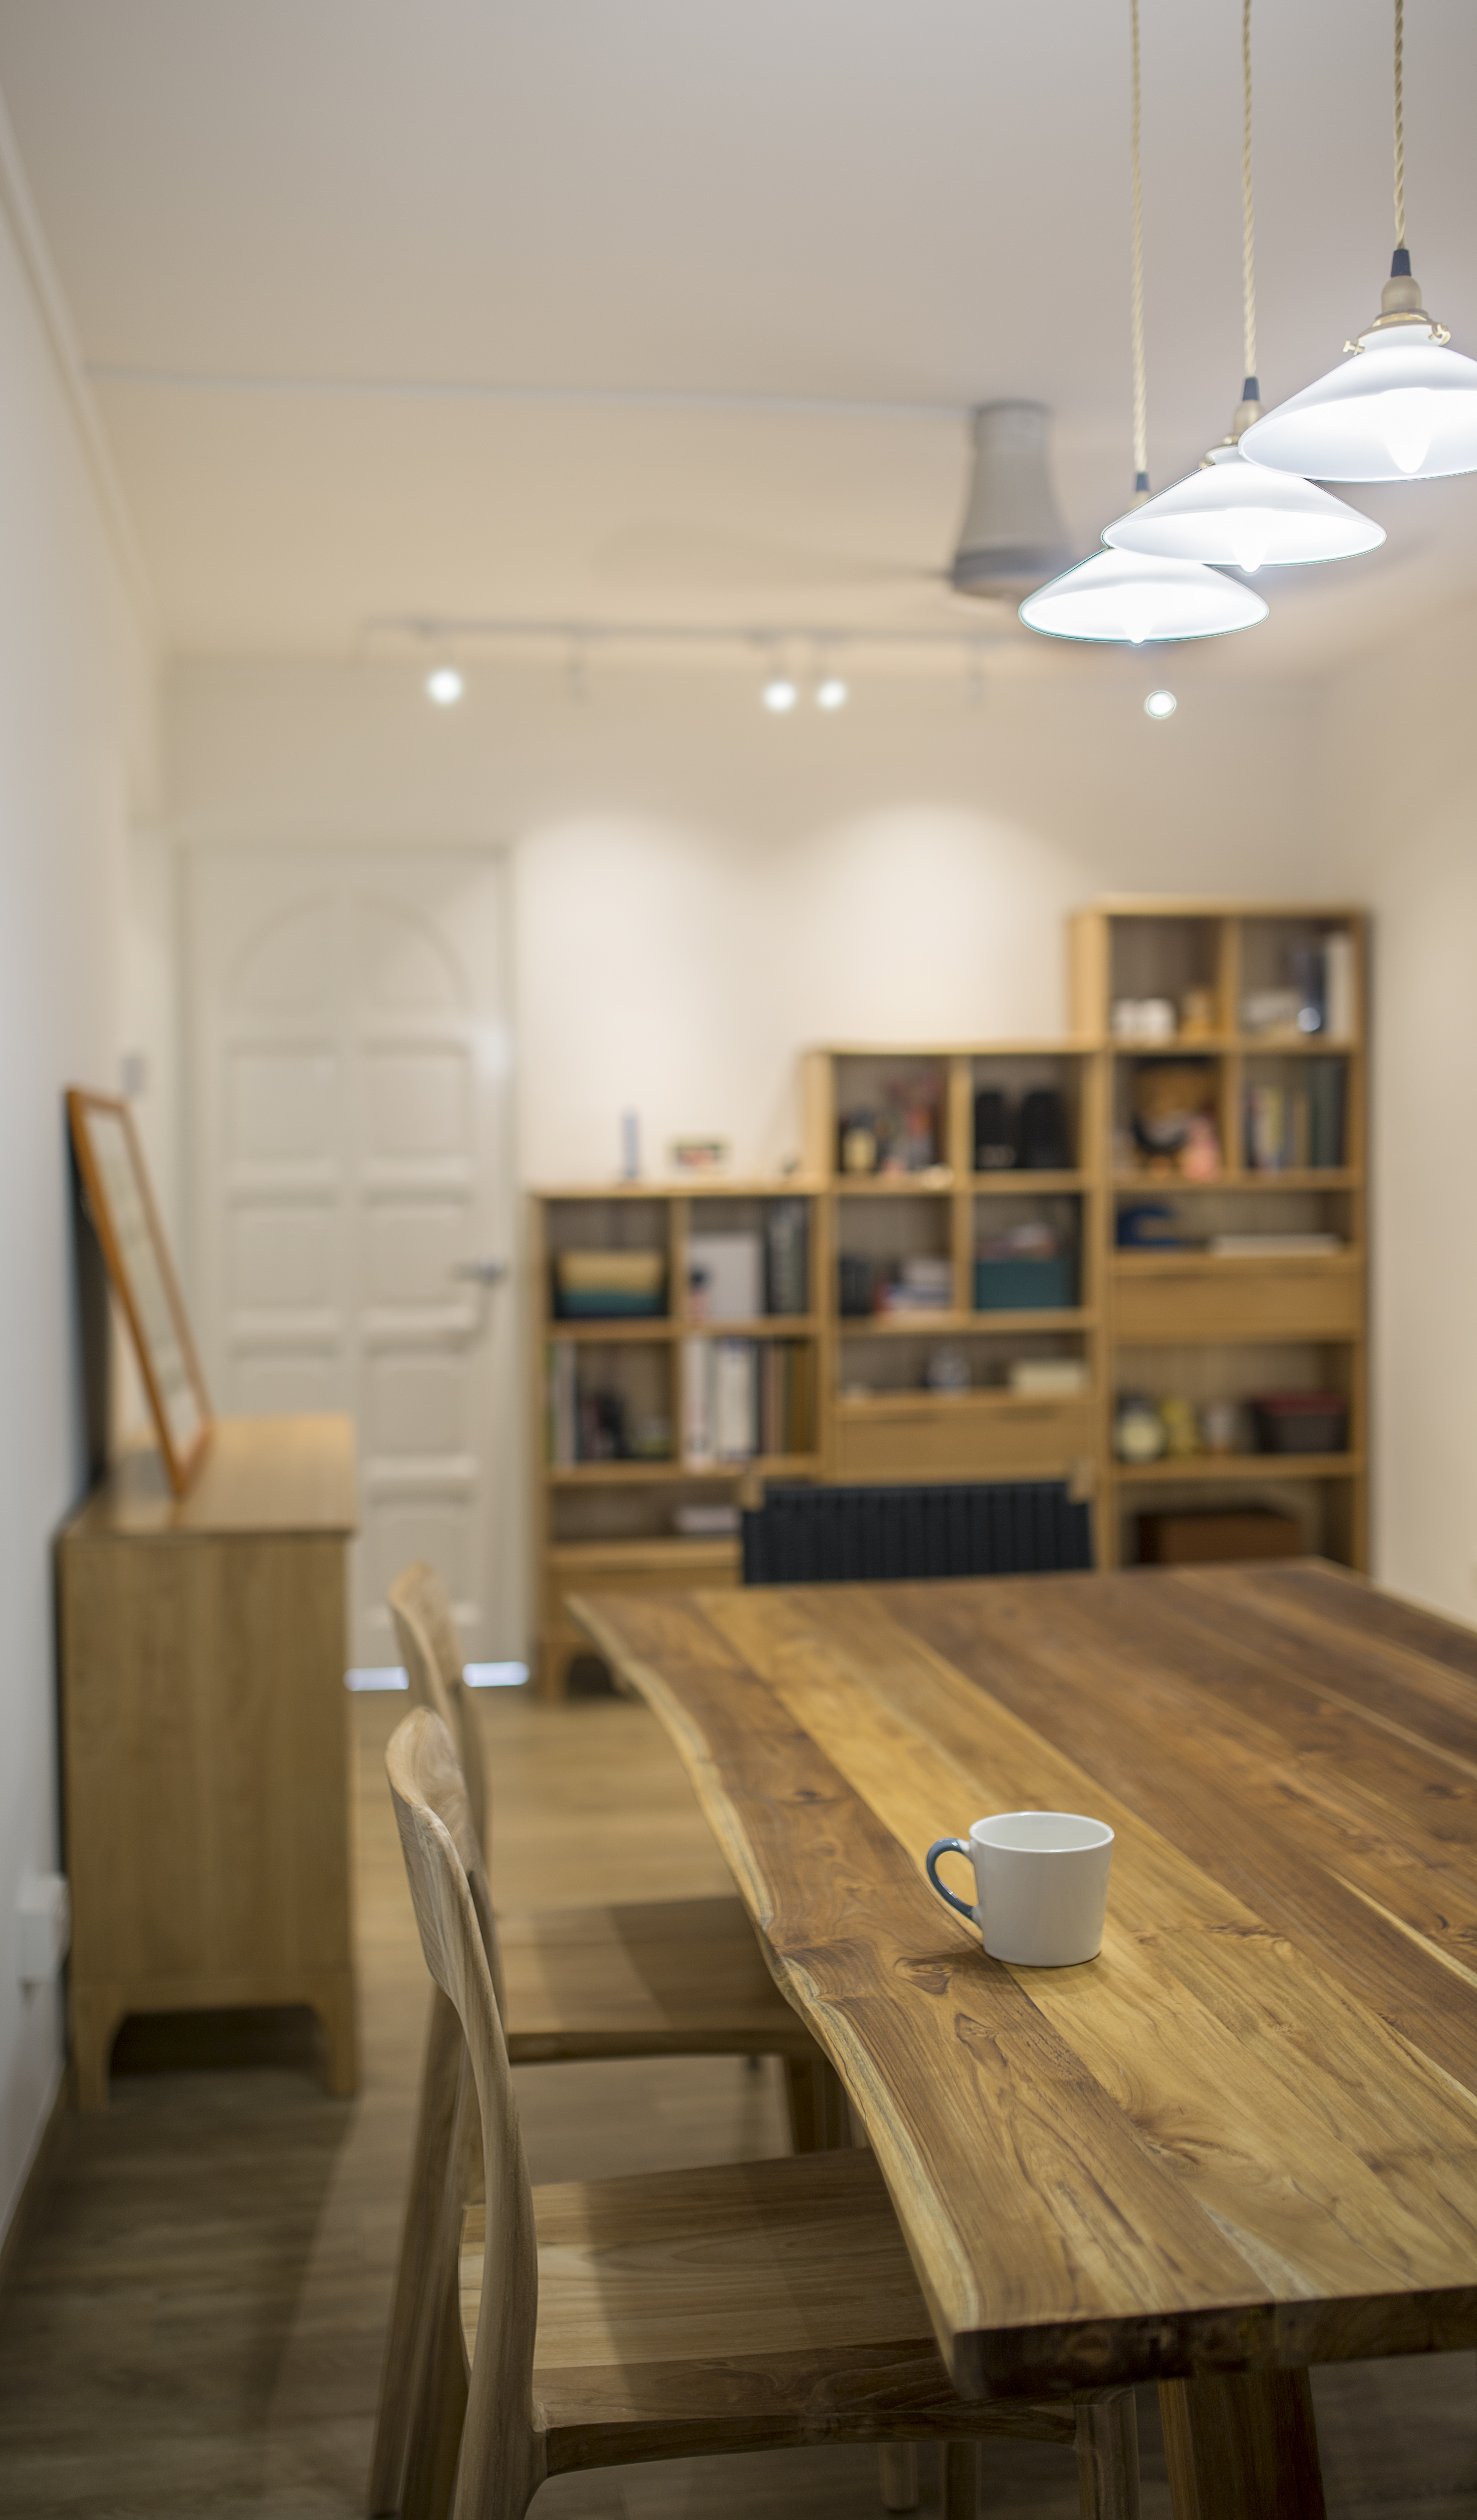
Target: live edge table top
x,y
1245,2138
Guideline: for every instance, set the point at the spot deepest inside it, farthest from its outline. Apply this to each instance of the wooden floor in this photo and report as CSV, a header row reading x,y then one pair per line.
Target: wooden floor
x,y
193,2321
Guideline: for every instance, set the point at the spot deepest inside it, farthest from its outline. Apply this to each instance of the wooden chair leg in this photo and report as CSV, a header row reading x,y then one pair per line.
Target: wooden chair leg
x,y
1108,2459
899,2462
960,2479
820,2117
436,2435
420,2273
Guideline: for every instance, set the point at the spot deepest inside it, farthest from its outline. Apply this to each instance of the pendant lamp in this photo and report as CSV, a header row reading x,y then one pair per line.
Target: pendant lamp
x,y
1012,535
1125,595
1231,511
1405,407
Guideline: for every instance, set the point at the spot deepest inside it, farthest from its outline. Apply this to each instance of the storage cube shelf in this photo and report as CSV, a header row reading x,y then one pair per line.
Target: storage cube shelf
x,y
955,1227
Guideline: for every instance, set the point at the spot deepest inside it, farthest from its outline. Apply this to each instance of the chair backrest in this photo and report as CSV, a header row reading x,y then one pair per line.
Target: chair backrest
x,y
431,1652
442,1860
877,1535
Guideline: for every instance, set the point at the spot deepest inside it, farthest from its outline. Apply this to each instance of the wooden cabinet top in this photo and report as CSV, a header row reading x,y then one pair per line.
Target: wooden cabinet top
x,y
260,1476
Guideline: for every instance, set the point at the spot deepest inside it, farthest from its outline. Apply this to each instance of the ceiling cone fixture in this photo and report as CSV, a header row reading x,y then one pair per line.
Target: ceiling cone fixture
x,y
1231,511
1404,406
1012,535
1125,595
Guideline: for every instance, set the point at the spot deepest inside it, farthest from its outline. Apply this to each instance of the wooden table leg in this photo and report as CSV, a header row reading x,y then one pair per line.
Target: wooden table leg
x,y
899,2465
1242,2448
960,2496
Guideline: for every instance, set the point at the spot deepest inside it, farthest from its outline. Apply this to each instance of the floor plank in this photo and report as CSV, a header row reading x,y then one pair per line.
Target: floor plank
x,y
194,2325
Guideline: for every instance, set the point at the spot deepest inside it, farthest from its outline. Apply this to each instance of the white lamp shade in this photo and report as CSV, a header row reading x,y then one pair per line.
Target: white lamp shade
x,y
1403,408
1122,595
1242,516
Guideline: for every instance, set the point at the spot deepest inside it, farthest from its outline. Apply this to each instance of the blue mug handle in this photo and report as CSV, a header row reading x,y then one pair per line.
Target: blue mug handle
x,y
949,1846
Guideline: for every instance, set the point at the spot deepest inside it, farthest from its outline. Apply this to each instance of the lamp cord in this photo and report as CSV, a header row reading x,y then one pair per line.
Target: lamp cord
x,y
1140,386
1248,231
1400,124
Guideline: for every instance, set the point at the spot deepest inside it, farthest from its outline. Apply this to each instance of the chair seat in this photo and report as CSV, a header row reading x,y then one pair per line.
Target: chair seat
x,y
685,2311
669,1977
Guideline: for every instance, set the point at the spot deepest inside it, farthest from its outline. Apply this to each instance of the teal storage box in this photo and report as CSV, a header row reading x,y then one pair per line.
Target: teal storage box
x,y
1025,1285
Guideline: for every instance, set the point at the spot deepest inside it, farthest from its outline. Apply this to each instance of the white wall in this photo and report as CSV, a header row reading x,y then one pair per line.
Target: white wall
x,y
701,890
1400,787
76,768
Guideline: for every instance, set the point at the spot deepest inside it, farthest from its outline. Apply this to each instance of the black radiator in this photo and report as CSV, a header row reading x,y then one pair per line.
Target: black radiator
x,y
878,1535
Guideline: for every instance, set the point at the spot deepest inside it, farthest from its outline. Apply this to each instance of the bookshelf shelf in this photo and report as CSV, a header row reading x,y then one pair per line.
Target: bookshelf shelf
x,y
925,1324
1321,1177
764,1325
1208,1467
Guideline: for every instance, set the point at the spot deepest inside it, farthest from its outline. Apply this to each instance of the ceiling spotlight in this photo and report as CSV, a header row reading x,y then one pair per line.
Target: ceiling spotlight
x,y
779,694
444,686
1160,704
831,692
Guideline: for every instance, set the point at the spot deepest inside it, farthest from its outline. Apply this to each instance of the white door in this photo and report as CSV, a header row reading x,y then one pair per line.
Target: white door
x,y
351,1172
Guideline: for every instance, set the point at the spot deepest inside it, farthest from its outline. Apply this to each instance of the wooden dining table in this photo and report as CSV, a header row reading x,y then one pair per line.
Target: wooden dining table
x,y
1243,2140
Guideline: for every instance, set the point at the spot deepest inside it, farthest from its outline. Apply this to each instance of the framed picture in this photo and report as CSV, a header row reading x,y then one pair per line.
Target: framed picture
x,y
121,1206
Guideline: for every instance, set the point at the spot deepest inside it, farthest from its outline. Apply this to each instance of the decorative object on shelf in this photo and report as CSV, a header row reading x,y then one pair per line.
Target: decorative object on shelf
x,y
856,1278
630,1146
609,1285
1221,1425
1182,1429
1300,1421
1048,1378
703,1156
1404,406
996,1145
947,1370
1174,1117
1150,1227
1026,1267
121,1202
1125,595
1139,1432
1044,1143
725,1277
1198,1015
1144,1019
922,1283
1229,512
1013,536
859,1144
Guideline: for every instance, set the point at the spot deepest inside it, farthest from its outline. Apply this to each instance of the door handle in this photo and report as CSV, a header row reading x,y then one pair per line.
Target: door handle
x,y
481,1273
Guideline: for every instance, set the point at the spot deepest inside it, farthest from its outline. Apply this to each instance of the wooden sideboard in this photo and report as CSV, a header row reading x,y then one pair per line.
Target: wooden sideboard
x,y
205,1739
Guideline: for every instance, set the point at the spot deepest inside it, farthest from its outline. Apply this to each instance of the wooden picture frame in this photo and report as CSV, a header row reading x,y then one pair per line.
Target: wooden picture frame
x,y
121,1206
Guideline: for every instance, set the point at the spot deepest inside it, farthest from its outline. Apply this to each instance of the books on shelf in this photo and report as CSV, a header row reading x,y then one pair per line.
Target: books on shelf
x,y
1298,1128
744,1397
923,1284
787,1257
1320,1001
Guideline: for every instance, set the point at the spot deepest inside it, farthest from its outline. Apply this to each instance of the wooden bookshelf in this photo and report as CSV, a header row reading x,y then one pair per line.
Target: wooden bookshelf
x,y
607,1524
1185,1321
1206,1325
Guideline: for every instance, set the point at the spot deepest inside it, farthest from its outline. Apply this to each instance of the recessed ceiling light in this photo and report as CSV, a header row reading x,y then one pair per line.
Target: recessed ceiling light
x,y
444,686
1160,704
832,693
779,694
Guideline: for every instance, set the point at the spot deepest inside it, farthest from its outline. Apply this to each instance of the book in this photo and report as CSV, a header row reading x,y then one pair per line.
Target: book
x,y
725,1277
562,1425
1338,988
787,1257
735,1399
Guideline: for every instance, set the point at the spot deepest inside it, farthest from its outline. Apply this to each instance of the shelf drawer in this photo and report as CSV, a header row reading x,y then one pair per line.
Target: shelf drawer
x,y
1168,1307
950,1440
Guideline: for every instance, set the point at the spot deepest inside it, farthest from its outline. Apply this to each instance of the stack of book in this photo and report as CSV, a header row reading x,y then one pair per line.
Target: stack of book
x,y
922,1285
736,1277
743,1397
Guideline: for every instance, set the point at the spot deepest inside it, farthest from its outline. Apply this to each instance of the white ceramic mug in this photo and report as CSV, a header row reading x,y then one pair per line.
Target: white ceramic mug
x,y
1041,1882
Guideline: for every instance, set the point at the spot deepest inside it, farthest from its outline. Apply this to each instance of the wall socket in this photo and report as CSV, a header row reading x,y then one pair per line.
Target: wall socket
x,y
43,1927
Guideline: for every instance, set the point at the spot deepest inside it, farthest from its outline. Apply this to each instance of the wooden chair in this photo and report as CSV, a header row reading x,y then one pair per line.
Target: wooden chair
x,y
668,1977
750,2307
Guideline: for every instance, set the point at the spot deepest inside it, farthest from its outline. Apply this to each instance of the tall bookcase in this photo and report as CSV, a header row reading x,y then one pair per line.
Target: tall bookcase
x,y
907,1208
1207,1325
608,1524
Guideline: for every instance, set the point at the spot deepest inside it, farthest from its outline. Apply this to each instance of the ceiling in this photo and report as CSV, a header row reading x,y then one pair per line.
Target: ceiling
x,y
636,311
